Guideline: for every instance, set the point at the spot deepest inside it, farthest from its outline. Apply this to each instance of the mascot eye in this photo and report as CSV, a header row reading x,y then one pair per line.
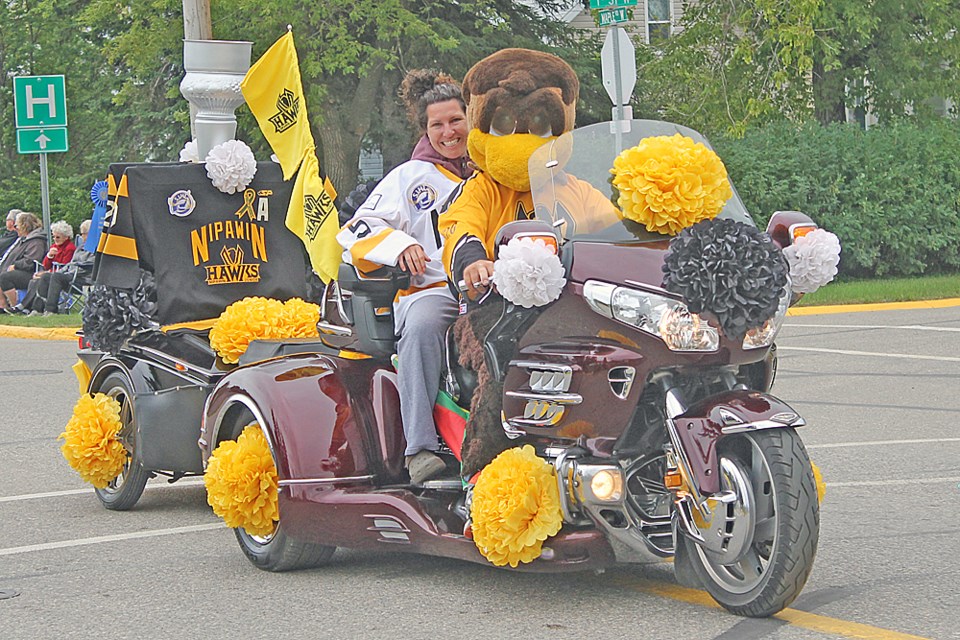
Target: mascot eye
x,y
540,125
504,122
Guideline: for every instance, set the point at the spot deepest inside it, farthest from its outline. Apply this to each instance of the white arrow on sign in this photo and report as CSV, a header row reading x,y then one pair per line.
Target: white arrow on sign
x,y
42,140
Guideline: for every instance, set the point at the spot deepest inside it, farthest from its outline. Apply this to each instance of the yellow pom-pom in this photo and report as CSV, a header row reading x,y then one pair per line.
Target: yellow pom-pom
x,y
241,481
243,322
669,183
516,506
299,319
818,478
261,319
90,440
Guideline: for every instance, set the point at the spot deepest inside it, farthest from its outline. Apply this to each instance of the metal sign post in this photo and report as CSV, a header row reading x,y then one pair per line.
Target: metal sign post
x,y
40,105
618,65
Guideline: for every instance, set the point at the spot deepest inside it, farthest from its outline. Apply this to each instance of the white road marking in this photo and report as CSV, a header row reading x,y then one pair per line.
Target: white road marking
x,y
81,542
846,352
89,491
873,443
888,483
912,327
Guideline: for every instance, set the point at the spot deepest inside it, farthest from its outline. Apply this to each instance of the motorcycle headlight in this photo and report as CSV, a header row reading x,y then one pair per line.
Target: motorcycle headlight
x,y
763,336
663,317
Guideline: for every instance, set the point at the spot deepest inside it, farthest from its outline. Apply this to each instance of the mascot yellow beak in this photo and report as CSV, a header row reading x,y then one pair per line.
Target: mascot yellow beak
x,y
505,158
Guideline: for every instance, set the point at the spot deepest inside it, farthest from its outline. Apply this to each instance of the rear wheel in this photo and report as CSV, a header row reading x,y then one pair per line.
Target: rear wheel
x,y
760,544
277,551
125,490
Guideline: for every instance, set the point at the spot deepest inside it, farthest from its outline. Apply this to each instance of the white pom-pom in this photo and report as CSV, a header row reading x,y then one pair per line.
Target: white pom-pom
x,y
231,166
813,260
190,152
527,273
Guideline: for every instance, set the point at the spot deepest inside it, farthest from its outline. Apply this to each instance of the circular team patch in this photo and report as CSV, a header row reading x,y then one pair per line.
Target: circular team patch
x,y
181,203
423,196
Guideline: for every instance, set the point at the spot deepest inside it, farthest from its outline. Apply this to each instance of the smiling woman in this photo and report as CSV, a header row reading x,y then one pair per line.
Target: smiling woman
x,y
396,226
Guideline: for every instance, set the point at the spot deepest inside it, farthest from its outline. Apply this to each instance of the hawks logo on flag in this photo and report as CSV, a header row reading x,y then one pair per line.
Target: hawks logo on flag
x,y
316,210
288,106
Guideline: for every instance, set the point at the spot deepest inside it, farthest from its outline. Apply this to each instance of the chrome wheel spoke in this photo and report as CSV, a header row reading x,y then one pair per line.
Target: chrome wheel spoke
x,y
751,566
765,530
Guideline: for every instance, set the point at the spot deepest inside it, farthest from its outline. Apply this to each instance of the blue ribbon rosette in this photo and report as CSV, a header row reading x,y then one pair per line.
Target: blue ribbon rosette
x,y
98,195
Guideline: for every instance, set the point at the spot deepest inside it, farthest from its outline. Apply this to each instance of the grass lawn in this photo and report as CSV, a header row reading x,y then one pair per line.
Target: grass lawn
x,y
45,322
885,290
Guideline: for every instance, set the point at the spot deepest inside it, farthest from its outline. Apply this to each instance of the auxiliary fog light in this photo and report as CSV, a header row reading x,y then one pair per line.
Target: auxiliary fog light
x,y
607,485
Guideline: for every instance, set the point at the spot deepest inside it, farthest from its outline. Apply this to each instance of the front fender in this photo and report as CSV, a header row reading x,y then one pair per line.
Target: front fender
x,y
701,427
312,409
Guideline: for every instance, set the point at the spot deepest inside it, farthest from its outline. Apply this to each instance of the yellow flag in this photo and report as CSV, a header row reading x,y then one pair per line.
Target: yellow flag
x,y
274,93
313,217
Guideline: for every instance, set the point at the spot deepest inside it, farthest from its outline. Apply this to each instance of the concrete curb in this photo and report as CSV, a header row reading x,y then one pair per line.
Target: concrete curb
x,y
39,333
70,333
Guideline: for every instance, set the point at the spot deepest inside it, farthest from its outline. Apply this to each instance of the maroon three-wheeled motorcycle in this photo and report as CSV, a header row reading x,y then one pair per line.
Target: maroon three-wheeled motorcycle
x,y
661,429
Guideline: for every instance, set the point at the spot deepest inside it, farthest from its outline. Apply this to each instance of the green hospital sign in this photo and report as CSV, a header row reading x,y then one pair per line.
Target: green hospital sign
x,y
41,114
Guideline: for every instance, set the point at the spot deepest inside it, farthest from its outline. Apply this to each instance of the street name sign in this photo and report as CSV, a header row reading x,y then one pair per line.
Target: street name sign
x,y
41,101
603,4
52,140
612,16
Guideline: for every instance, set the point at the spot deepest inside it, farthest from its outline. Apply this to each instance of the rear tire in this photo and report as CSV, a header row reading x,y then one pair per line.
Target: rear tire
x,y
777,511
125,490
277,551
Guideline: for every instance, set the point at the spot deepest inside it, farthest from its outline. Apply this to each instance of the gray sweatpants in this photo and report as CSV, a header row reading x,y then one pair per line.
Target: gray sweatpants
x,y
420,352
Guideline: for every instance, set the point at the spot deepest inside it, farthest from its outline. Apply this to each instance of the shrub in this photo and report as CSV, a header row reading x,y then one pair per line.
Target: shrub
x,y
892,194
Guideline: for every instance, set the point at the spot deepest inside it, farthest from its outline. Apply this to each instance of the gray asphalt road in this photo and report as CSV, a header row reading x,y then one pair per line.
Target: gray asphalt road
x,y
881,394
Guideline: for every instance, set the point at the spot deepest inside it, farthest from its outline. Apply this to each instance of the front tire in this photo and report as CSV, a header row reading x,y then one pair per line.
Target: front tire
x,y
277,551
771,529
125,490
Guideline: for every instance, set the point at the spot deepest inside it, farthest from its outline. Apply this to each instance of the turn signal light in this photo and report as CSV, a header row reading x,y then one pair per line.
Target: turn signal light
x,y
801,230
673,479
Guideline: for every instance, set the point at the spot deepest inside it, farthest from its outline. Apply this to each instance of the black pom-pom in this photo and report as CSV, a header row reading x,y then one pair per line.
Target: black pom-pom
x,y
729,269
111,315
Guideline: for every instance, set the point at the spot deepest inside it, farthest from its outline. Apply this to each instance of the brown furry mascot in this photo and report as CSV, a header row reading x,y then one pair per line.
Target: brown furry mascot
x,y
517,100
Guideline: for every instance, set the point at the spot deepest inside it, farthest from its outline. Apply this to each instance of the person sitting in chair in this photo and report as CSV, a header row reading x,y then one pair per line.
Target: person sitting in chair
x,y
21,259
50,284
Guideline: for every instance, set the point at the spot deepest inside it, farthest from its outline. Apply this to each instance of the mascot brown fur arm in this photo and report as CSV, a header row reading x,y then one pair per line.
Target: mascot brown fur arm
x,y
517,100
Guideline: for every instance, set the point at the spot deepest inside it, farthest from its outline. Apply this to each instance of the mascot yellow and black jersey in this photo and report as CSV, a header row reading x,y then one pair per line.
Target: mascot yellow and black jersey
x,y
517,100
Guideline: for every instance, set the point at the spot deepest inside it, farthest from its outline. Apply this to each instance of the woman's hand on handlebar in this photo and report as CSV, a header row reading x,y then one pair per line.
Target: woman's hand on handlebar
x,y
414,260
477,277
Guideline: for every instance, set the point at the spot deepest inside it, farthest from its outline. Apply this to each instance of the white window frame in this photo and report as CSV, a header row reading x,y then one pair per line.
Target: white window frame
x,y
648,22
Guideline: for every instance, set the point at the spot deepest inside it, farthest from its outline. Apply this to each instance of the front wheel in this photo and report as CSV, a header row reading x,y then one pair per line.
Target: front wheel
x,y
125,490
760,542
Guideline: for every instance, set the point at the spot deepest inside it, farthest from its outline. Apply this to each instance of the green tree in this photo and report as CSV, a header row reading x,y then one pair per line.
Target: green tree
x,y
42,37
352,56
743,63
892,56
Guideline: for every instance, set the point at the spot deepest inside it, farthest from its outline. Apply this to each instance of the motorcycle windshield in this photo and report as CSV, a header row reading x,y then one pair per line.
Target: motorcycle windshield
x,y
571,181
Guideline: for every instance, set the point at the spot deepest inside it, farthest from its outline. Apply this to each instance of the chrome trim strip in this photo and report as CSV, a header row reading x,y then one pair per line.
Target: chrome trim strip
x,y
546,366
167,359
293,482
558,398
761,425
333,329
249,404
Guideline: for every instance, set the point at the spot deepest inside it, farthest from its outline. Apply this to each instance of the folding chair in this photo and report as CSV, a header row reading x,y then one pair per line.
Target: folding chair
x,y
73,297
